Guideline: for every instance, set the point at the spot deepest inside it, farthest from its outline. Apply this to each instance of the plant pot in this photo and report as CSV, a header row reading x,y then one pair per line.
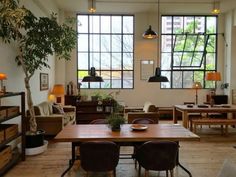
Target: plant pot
x,y
34,140
37,150
115,128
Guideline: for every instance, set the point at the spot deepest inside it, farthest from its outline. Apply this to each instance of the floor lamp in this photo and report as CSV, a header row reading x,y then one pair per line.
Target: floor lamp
x,y
196,86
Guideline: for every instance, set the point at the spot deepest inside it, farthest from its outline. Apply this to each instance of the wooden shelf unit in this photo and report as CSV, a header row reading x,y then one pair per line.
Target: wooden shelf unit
x,y
16,154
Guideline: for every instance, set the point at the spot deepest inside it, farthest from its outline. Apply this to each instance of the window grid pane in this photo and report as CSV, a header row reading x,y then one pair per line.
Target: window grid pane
x,y
106,43
188,49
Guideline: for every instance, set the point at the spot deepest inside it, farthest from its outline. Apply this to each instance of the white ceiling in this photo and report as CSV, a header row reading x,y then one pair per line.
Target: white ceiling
x,y
134,6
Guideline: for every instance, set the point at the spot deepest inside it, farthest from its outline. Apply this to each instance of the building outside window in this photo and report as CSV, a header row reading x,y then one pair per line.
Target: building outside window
x,y
106,43
188,50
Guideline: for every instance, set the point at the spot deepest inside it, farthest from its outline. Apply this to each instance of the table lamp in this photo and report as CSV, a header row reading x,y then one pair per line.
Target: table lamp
x,y
3,77
213,76
58,90
196,86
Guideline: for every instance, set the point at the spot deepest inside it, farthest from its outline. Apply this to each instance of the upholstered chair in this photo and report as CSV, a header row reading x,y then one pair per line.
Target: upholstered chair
x,y
158,156
99,156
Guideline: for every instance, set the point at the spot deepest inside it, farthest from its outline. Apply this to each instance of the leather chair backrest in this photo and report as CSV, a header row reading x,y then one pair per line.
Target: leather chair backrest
x,y
157,155
99,156
143,121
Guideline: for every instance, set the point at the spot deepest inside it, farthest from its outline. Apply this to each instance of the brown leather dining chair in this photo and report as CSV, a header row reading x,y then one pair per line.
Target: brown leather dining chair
x,y
158,156
143,121
98,121
140,121
99,156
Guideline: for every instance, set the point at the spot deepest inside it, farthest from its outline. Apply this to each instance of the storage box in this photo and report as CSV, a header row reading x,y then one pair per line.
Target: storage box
x,y
12,111
6,155
10,130
2,138
3,112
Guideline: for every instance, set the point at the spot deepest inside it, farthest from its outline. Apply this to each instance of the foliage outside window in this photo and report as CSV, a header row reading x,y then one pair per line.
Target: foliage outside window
x,y
188,50
106,43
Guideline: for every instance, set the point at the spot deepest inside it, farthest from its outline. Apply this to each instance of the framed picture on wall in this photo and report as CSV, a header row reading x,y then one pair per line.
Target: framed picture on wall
x,y
44,81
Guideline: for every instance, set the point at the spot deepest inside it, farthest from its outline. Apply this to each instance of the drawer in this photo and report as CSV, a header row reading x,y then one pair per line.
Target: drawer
x,y
11,110
6,155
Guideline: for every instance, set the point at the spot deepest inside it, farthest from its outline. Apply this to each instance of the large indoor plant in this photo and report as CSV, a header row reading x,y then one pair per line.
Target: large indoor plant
x,y
35,39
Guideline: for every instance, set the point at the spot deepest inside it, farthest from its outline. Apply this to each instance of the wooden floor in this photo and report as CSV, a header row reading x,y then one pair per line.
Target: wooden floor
x,y
203,159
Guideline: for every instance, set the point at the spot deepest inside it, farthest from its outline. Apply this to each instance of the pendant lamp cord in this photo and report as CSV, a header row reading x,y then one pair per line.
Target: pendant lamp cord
x,y
158,29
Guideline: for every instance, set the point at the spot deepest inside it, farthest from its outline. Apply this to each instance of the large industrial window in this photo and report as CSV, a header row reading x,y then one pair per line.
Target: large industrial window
x,y
106,43
188,50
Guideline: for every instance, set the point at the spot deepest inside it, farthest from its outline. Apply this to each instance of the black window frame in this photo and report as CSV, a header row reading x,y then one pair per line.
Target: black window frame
x,y
205,84
99,71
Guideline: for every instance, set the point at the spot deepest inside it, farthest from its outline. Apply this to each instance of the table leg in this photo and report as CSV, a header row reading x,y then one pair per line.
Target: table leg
x,y
72,160
185,119
175,119
179,164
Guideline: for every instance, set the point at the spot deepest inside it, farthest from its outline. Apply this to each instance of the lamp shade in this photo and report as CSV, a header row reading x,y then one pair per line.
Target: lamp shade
x,y
157,77
213,76
216,7
3,76
92,6
149,33
92,76
197,85
58,89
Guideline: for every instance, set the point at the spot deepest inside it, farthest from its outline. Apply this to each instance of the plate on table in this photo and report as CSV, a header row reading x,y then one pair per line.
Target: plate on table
x,y
138,127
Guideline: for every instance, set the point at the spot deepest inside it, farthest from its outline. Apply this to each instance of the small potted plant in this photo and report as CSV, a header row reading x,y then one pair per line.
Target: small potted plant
x,y
115,120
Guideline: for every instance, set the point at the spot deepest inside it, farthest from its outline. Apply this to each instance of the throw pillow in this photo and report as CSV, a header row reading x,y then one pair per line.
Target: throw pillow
x,y
57,109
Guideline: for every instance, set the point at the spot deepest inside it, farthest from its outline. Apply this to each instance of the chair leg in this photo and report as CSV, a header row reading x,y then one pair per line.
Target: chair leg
x,y
146,173
139,170
167,174
172,173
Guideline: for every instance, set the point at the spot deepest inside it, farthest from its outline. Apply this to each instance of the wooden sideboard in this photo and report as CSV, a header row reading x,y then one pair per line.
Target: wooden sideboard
x,y
86,111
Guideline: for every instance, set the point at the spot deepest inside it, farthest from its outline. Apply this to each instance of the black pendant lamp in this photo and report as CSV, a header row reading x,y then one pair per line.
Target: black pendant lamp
x,y
149,34
92,76
158,77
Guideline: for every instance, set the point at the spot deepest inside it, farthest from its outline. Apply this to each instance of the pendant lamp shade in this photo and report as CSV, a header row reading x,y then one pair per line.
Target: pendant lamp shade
x,y
149,33
216,7
92,76
92,6
158,77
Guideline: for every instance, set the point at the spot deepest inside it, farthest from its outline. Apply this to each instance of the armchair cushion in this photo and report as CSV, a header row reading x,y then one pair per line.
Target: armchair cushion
x,y
57,109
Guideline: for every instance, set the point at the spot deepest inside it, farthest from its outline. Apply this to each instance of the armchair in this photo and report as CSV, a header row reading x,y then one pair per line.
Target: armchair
x,y
149,111
52,118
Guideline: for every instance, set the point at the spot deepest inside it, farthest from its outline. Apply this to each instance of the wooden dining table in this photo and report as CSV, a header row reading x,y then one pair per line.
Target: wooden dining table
x,y
185,110
76,134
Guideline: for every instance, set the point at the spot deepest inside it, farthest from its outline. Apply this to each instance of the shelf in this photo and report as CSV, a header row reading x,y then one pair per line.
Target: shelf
x,y
8,118
9,94
16,156
15,159
10,139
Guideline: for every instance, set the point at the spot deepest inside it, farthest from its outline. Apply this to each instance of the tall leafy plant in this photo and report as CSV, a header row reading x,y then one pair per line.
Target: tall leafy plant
x,y
36,39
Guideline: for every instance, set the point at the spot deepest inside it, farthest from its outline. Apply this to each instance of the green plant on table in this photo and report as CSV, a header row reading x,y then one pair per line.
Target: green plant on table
x,y
115,121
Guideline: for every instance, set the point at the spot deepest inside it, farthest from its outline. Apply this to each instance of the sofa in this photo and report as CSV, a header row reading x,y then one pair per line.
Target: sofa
x,y
148,110
52,117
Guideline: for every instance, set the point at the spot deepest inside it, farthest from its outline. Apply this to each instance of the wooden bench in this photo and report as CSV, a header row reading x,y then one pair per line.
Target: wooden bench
x,y
212,121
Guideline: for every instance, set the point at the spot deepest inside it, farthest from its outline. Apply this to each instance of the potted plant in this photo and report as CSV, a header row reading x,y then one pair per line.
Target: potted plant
x,y
35,39
115,120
